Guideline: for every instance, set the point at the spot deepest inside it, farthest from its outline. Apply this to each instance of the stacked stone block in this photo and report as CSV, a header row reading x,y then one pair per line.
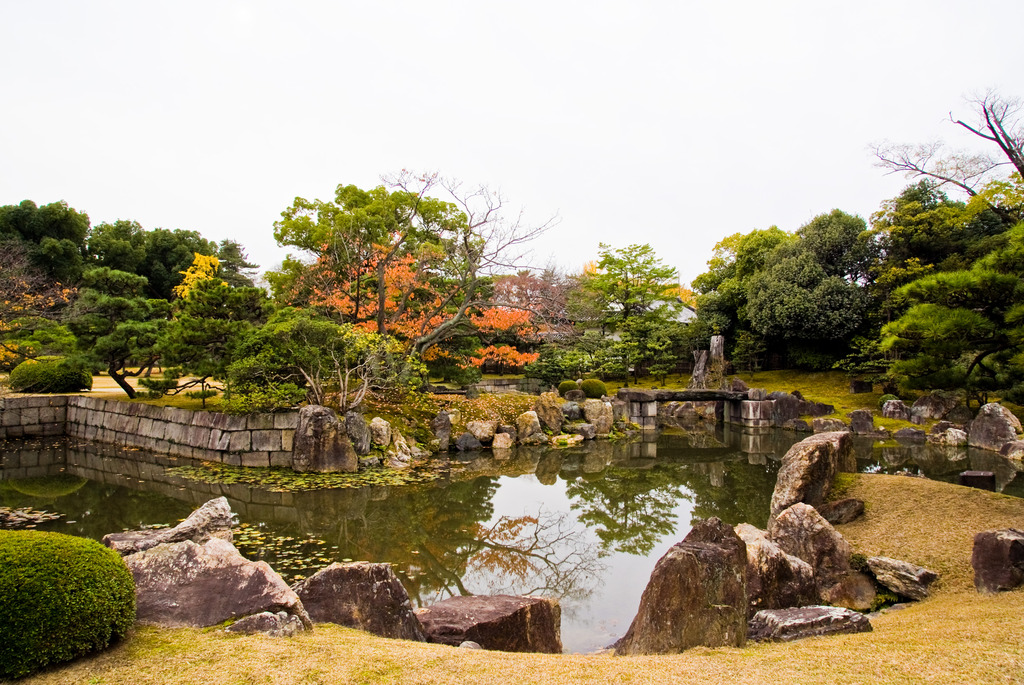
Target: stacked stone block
x,y
254,440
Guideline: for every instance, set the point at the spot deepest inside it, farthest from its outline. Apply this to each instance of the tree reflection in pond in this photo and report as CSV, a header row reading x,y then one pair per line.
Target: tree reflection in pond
x,y
630,510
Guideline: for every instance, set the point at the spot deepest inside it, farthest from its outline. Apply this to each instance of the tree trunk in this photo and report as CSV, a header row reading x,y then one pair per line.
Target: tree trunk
x,y
120,380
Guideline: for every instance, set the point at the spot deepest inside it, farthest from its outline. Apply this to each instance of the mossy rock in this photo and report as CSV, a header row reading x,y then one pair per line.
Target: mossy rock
x,y
61,597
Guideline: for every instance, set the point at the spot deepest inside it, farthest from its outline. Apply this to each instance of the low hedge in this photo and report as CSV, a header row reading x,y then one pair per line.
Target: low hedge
x,y
60,597
51,375
594,388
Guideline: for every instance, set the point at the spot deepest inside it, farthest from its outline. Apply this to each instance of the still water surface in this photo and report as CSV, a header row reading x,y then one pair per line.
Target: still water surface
x,y
585,525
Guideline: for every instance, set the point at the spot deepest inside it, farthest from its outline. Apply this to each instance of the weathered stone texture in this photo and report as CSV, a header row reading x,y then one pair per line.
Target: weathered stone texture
x,y
696,595
784,625
361,595
903,578
185,584
212,520
998,560
506,623
321,443
808,469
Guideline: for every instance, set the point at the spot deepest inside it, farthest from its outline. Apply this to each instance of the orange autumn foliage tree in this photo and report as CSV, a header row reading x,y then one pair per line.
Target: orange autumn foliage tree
x,y
505,357
413,265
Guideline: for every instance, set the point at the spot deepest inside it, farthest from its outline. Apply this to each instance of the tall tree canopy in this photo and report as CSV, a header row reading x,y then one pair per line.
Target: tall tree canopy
x,y
965,329
54,235
397,259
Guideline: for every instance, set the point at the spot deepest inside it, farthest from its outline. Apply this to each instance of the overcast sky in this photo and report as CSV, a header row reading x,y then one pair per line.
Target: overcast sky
x,y
669,123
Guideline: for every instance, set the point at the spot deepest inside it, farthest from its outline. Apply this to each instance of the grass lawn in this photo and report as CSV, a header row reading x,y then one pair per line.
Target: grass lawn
x,y
956,636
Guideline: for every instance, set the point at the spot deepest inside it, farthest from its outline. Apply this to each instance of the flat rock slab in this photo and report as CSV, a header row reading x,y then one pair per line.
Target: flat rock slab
x,y
507,623
212,520
185,584
902,577
842,511
280,624
785,625
361,595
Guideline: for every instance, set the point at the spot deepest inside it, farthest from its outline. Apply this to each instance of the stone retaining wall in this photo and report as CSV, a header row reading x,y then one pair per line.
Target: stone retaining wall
x,y
503,385
254,440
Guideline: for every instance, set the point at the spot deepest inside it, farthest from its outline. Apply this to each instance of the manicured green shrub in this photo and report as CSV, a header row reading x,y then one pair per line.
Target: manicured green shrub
x,y
594,388
60,597
52,375
566,386
885,398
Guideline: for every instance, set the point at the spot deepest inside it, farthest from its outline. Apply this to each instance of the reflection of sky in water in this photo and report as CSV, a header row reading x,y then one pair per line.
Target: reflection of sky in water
x,y
598,619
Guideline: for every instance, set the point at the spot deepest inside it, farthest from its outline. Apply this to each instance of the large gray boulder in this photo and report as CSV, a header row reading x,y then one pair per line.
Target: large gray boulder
x,y
775,580
993,427
808,469
467,442
932,406
358,432
361,595
784,625
186,584
801,531
998,560
380,432
322,443
549,411
482,430
507,623
212,520
528,430
903,578
896,409
696,595
599,414
587,430
862,422
399,454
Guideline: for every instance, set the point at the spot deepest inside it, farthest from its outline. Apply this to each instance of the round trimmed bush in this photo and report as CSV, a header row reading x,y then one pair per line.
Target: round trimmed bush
x,y
60,597
566,386
885,398
54,375
594,388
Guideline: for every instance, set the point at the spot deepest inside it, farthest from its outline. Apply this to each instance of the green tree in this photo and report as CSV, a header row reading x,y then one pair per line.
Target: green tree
x,y
965,329
811,295
722,290
160,255
202,337
415,265
329,359
235,267
54,234
116,327
631,282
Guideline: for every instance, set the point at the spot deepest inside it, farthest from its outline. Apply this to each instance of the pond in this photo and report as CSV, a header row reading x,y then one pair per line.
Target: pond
x,y
585,525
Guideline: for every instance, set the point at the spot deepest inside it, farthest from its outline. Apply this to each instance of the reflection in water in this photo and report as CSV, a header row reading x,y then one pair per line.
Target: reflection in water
x,y
629,510
584,524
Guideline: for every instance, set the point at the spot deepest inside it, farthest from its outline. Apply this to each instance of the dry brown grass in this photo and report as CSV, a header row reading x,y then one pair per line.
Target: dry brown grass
x,y
957,636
